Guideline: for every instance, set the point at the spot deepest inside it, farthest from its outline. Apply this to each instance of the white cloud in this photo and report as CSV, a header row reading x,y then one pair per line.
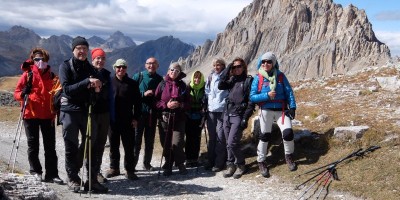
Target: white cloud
x,y
392,39
190,20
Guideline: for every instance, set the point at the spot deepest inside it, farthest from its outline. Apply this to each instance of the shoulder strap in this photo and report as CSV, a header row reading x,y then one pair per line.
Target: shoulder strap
x,y
246,86
260,82
280,78
140,77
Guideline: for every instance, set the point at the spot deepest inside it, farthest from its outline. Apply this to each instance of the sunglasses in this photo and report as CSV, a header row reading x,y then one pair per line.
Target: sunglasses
x,y
175,70
37,59
236,66
119,67
266,61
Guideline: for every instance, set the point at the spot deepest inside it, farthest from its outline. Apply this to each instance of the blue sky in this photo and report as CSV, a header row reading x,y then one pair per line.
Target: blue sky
x,y
192,21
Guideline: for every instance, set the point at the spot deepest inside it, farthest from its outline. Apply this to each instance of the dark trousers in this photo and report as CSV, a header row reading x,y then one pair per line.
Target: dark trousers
x,y
47,128
193,139
172,139
146,127
73,123
216,140
233,133
125,133
100,125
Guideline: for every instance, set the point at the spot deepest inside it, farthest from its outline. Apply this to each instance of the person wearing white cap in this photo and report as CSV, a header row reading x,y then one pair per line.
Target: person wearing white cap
x,y
272,92
126,98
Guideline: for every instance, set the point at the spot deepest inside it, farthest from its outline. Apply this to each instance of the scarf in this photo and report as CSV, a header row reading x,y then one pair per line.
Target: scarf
x,y
271,79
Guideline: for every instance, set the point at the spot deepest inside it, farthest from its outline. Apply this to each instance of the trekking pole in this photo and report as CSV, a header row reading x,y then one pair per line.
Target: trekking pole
x,y
325,182
355,153
88,149
317,181
165,142
17,134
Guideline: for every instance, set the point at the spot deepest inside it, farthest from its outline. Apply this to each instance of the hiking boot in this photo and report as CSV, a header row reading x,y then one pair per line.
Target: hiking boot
x,y
148,167
55,179
167,172
192,163
74,185
264,169
230,171
241,169
37,176
216,169
182,169
131,176
101,179
96,187
112,172
291,164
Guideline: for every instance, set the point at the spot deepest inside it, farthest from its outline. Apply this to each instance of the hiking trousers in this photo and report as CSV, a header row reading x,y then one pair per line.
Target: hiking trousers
x,y
47,128
126,134
147,128
233,134
216,140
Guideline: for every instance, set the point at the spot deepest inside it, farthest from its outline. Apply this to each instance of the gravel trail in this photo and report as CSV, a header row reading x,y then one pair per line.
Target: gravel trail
x,y
198,184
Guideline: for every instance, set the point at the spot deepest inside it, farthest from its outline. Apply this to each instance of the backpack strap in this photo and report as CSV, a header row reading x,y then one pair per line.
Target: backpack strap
x,y
260,82
140,77
246,87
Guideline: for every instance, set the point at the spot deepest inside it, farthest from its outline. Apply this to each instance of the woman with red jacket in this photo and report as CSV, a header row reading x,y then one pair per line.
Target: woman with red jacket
x,y
34,87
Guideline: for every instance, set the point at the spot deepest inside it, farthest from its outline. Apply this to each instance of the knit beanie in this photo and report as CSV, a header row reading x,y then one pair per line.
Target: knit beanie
x,y
269,56
79,41
96,52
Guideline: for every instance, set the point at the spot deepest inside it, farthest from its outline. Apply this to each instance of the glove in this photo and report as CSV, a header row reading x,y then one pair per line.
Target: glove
x,y
243,123
291,113
25,91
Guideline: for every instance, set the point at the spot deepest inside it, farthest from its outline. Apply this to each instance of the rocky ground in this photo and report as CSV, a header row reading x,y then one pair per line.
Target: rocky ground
x,y
198,184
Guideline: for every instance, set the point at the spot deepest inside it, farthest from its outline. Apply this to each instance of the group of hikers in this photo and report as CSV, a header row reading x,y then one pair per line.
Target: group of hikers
x,y
96,105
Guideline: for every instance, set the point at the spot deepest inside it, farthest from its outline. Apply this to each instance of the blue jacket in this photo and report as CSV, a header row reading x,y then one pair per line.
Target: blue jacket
x,y
283,92
215,97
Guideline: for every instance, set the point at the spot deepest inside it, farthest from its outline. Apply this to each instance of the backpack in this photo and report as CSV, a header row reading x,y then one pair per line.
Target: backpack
x,y
55,93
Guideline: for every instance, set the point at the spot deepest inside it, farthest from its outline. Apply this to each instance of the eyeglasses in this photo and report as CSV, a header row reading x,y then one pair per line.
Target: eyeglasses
x,y
151,63
37,59
118,67
266,61
236,66
175,70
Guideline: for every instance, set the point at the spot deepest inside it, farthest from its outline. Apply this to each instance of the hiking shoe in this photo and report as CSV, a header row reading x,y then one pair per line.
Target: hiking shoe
x,y
96,187
56,180
216,169
291,164
208,166
241,169
230,171
74,185
167,172
131,176
38,176
101,178
264,169
148,167
182,169
112,172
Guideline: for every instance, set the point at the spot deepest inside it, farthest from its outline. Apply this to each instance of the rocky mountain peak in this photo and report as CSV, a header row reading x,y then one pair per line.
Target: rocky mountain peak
x,y
117,41
310,38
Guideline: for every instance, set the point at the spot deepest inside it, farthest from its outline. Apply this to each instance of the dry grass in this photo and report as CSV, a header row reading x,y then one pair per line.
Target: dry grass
x,y
8,83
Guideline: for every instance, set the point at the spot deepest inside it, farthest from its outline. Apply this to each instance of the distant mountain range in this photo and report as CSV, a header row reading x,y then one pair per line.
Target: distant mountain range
x,y
16,43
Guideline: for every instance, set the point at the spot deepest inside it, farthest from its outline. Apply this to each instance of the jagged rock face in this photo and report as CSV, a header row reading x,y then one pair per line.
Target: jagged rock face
x,y
310,38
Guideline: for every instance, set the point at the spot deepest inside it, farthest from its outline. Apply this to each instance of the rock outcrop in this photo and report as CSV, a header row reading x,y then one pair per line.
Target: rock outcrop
x,y
310,38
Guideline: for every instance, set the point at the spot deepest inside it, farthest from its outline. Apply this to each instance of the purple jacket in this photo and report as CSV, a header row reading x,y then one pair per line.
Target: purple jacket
x,y
169,89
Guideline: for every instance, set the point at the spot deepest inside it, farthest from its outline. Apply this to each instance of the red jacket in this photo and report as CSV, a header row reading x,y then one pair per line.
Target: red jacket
x,y
38,106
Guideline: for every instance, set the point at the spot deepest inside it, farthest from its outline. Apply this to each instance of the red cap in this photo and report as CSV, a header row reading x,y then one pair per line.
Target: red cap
x,y
98,52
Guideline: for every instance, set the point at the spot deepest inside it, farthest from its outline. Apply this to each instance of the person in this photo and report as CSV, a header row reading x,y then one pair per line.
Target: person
x,y
148,81
34,87
102,109
237,112
173,100
214,107
272,92
194,124
126,99
79,88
